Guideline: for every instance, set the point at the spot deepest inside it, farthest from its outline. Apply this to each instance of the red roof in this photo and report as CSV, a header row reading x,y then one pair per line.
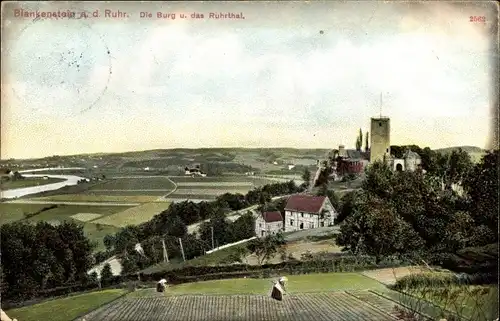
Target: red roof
x,y
305,203
271,217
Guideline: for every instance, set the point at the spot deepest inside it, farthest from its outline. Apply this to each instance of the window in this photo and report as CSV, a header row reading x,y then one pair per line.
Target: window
x,y
387,150
301,226
260,225
380,124
301,214
291,222
311,225
322,224
262,233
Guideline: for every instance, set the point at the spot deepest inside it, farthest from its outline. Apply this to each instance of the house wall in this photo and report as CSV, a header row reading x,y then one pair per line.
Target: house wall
x,y
263,229
411,163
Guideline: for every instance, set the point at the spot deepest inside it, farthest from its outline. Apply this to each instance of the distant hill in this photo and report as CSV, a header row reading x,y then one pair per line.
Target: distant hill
x,y
468,149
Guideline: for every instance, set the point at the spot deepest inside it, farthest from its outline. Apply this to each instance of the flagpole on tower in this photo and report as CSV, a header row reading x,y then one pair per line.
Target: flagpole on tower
x,y
380,105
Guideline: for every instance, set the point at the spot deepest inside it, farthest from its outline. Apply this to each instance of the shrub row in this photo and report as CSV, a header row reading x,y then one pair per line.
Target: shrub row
x,y
337,264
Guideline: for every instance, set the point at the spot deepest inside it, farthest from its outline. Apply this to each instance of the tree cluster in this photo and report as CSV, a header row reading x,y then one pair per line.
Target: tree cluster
x,y
42,256
421,215
171,224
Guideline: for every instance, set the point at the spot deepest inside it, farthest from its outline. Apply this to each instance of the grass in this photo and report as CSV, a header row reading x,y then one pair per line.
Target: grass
x,y
318,282
14,212
157,193
193,196
95,232
222,256
63,211
136,184
241,179
65,309
28,182
209,191
97,198
134,215
472,302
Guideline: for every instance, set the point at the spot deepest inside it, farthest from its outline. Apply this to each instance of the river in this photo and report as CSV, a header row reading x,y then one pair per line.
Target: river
x,y
69,180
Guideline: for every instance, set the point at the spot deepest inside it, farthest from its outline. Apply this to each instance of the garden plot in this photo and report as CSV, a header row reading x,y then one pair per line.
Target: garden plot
x,y
338,306
134,215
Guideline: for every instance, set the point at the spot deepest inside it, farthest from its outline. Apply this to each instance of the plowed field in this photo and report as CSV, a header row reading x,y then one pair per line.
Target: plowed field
x,y
338,306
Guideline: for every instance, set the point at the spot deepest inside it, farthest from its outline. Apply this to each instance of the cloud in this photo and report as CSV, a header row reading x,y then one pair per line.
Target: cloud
x,y
184,83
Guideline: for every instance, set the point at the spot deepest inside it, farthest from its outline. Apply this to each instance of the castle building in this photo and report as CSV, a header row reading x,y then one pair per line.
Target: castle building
x,y
380,139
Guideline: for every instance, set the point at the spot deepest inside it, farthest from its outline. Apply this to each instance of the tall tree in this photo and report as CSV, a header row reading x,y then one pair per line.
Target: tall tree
x,y
306,177
359,141
367,146
266,247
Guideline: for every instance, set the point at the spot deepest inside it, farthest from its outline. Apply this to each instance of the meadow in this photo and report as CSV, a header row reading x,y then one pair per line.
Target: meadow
x,y
55,214
137,183
134,215
66,309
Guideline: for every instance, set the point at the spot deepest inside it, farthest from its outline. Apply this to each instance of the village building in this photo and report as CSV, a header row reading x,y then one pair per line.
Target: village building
x,y
307,212
194,171
268,223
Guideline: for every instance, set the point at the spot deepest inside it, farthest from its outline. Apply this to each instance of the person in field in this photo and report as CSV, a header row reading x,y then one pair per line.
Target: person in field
x,y
278,289
161,285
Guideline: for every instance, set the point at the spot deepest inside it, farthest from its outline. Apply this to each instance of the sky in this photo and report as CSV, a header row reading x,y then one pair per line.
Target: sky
x,y
304,75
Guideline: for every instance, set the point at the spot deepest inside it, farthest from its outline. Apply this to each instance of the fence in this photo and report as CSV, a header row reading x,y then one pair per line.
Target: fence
x,y
230,244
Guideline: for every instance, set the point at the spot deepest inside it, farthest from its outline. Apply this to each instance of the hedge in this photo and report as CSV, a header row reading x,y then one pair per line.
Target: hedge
x,y
337,264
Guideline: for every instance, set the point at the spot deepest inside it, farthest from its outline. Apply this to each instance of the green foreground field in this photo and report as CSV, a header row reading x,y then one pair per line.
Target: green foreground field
x,y
65,309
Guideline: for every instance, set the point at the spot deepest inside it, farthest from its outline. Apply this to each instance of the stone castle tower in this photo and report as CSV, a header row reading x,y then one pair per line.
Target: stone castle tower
x,y
380,139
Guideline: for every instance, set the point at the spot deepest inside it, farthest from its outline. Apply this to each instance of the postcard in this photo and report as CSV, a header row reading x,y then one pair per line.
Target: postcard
x,y
270,156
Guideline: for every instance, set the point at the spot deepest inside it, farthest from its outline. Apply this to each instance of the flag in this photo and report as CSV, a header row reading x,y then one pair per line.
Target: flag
x,y
139,249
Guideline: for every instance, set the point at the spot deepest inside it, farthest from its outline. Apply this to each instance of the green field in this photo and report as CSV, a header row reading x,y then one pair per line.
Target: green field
x,y
65,309
134,215
98,198
242,178
28,182
127,193
192,196
320,282
15,212
161,183
94,231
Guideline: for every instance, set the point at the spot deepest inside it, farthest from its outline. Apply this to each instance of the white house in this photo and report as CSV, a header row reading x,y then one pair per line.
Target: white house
x,y
307,212
268,223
